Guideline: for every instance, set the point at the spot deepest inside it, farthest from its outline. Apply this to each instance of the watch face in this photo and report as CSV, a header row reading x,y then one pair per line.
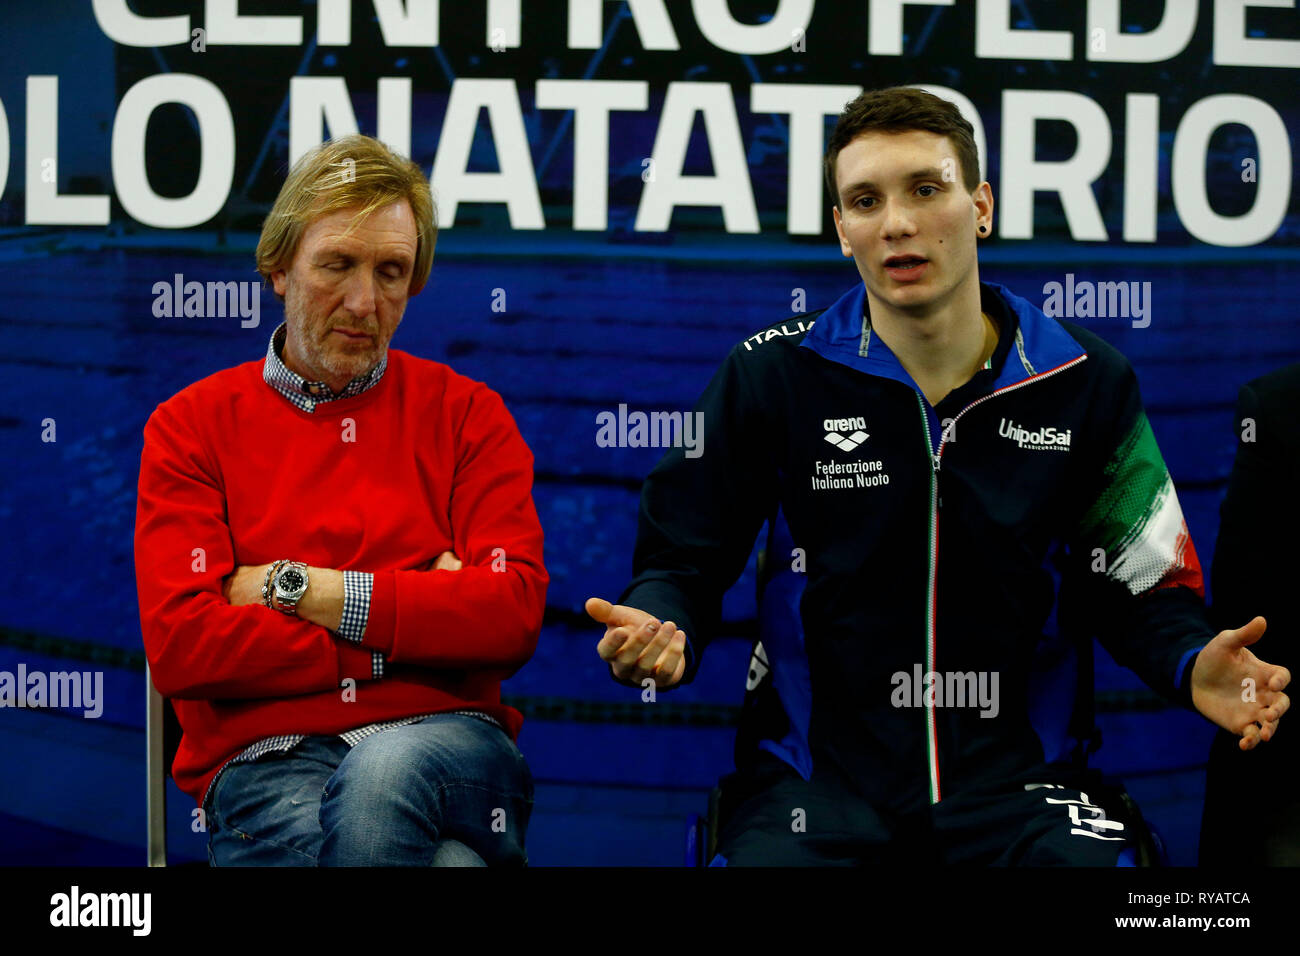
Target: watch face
x,y
291,581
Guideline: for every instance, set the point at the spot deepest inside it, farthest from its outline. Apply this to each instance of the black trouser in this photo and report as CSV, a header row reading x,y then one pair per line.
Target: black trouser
x,y
1252,813
776,818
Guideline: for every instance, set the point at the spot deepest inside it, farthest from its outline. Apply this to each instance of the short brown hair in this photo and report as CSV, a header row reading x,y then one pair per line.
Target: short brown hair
x,y
899,109
339,174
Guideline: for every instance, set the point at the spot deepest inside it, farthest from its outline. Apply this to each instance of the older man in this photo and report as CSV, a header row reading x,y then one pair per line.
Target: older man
x,y
338,557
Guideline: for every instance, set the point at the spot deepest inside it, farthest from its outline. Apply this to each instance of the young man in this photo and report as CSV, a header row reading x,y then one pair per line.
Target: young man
x,y
339,560
931,442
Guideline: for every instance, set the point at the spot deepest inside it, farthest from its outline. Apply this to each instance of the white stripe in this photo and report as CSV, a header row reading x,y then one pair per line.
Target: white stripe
x,y
1155,545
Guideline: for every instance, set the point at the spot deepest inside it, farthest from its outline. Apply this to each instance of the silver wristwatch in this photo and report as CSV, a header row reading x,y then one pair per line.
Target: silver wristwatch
x,y
288,586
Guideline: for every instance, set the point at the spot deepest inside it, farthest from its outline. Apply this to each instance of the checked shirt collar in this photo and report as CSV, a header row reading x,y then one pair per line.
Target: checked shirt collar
x,y
304,394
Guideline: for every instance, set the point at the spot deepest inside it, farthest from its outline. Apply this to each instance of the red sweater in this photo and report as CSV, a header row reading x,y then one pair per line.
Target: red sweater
x,y
231,467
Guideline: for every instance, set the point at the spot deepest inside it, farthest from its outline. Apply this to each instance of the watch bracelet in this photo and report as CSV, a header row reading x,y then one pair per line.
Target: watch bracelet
x,y
267,592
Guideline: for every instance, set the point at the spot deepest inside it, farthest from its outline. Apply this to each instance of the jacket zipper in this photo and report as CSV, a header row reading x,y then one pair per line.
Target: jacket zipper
x,y
931,736
931,597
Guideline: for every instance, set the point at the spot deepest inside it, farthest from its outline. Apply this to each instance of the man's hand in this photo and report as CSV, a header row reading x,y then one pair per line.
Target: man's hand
x,y
637,645
244,585
447,561
1236,690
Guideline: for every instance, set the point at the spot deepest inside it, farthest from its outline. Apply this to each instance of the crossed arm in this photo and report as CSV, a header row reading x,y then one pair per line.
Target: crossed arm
x,y
323,602
206,639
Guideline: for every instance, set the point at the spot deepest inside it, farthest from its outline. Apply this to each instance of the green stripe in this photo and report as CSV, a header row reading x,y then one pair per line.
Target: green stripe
x,y
1135,476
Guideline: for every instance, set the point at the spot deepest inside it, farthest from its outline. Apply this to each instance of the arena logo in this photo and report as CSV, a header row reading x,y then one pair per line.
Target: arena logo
x,y
946,689
60,689
834,426
651,430
1101,300
1043,439
208,300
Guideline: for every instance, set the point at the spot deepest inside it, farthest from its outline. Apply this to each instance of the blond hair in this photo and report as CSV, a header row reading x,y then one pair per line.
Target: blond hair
x,y
351,171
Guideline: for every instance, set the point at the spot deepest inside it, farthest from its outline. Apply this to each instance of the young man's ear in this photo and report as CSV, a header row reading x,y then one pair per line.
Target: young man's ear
x,y
982,197
845,249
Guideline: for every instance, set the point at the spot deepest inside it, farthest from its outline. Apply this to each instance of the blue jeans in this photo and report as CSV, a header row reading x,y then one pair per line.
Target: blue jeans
x,y
451,790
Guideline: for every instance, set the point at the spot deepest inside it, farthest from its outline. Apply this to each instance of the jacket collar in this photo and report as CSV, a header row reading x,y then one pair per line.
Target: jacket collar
x,y
843,334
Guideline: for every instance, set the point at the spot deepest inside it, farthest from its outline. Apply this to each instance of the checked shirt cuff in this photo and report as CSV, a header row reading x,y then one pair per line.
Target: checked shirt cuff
x,y
357,588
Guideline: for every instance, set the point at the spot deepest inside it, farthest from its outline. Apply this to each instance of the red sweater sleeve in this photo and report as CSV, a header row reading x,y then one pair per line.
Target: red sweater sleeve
x,y
198,646
488,614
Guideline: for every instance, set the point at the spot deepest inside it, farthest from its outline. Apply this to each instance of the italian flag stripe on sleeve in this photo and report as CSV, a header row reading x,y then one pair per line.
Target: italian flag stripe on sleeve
x,y
1137,519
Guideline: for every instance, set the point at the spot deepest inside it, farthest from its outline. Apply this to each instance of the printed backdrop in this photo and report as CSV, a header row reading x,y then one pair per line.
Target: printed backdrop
x,y
626,189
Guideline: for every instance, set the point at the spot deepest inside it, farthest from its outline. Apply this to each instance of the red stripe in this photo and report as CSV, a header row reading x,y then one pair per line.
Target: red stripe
x,y
1186,569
